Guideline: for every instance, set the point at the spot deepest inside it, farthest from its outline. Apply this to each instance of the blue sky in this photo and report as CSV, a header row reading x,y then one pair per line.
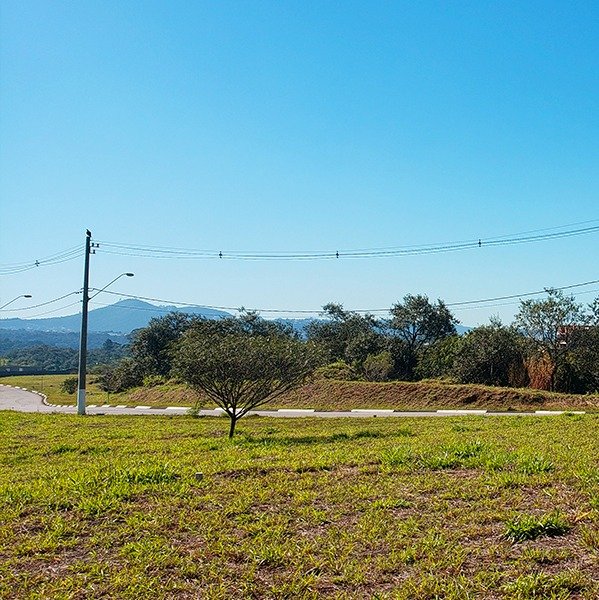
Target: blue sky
x,y
299,126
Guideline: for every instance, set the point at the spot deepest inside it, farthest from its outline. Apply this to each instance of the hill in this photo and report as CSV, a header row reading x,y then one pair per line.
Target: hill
x,y
121,317
114,323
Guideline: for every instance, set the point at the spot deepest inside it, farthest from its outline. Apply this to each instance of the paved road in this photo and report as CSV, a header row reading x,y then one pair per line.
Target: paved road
x,y
26,401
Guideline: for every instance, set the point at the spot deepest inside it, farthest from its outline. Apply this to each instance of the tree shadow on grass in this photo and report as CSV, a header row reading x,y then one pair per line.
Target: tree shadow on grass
x,y
309,440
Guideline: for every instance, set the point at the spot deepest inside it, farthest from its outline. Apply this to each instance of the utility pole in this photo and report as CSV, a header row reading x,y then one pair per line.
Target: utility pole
x,y
83,338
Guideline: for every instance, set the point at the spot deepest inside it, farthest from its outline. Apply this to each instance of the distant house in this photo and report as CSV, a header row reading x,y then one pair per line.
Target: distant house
x,y
17,370
6,370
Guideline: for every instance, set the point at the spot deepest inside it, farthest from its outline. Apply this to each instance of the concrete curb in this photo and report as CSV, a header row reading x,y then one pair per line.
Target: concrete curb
x,y
461,411
372,410
560,412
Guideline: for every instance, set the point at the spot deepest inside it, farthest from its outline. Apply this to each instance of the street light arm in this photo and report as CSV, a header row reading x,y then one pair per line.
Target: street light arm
x,y
109,284
14,299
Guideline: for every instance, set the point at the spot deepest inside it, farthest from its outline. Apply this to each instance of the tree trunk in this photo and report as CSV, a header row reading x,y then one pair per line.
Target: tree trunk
x,y
232,426
552,378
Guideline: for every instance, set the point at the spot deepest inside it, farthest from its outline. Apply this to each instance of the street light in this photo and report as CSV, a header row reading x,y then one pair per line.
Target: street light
x,y
109,284
83,339
14,299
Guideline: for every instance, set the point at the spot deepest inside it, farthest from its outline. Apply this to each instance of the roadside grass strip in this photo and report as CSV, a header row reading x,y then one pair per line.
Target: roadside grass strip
x,y
412,509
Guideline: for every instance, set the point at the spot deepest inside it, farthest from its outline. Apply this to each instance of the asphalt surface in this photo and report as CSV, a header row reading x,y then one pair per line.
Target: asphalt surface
x,y
21,400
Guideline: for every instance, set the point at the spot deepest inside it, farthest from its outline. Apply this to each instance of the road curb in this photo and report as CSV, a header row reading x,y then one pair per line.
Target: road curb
x,y
373,410
462,411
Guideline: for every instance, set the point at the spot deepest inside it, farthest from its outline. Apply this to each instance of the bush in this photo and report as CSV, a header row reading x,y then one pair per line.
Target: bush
x,y
69,385
154,380
338,370
378,367
125,375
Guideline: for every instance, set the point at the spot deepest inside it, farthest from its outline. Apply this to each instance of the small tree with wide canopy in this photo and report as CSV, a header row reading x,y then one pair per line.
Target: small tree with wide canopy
x,y
241,367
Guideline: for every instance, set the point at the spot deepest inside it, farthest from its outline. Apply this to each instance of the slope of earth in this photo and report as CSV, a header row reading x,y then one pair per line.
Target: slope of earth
x,y
328,394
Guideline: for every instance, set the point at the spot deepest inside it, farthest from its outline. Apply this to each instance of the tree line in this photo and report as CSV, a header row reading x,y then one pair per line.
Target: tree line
x,y
56,358
552,344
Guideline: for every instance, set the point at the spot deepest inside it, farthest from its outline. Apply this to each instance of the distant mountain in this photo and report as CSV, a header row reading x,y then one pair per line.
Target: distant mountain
x,y
121,318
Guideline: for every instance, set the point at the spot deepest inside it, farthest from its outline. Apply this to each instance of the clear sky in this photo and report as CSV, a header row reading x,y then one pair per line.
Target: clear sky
x,y
295,126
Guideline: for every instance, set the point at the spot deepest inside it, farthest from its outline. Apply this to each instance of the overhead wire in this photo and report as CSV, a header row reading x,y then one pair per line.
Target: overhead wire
x,y
128,249
461,305
40,304
54,259
54,310
145,251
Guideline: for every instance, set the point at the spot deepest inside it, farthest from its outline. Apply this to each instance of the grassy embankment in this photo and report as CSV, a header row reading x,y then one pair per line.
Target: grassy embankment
x,y
456,508
337,395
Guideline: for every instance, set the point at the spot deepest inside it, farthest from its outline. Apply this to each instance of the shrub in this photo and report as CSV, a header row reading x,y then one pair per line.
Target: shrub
x,y
153,380
378,367
337,370
125,375
437,361
69,385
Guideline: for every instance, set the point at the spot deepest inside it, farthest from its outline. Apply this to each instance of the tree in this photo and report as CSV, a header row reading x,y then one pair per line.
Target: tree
x,y
119,377
583,360
417,324
593,316
151,346
347,335
240,370
549,325
438,359
491,354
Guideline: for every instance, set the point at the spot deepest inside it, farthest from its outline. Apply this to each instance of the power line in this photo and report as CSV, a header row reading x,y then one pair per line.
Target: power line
x,y
564,287
54,310
41,304
54,259
484,306
462,304
125,249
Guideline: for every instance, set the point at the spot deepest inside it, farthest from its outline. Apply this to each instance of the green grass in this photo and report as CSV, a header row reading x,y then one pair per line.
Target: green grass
x,y
168,507
530,527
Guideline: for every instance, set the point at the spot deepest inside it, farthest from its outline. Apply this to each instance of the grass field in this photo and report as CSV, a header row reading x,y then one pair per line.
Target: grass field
x,y
334,395
159,507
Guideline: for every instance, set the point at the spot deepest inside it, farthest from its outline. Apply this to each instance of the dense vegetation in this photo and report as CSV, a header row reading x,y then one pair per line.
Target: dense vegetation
x,y
552,345
456,508
55,358
15,339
